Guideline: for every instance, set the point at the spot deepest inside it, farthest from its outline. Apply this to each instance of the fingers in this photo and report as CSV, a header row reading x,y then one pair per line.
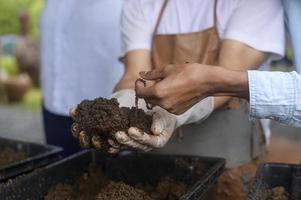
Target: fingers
x,y
84,140
113,150
72,112
156,141
75,130
114,144
146,92
153,74
124,139
96,142
157,125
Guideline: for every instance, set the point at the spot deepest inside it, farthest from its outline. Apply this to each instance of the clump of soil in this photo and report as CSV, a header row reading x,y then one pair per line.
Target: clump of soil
x,y
122,191
103,118
9,155
93,185
278,193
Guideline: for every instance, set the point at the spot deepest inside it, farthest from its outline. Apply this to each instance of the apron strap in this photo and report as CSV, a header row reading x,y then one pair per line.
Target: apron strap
x,y
160,16
215,13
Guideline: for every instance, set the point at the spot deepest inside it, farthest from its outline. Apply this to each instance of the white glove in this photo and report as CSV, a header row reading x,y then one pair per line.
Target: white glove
x,y
196,114
162,127
126,98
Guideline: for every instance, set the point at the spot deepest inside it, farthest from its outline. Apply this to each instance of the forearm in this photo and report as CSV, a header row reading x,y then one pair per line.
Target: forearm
x,y
222,82
225,82
126,82
134,61
272,95
239,57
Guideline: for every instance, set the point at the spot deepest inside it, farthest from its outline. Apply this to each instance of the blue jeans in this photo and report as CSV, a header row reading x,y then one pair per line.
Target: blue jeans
x,y
292,12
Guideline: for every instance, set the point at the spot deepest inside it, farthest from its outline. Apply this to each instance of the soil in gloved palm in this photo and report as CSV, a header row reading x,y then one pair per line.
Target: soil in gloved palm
x,y
9,155
103,118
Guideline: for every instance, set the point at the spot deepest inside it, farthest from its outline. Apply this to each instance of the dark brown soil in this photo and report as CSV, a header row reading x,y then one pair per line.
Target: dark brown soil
x,y
87,187
93,185
278,193
168,189
103,117
122,191
9,155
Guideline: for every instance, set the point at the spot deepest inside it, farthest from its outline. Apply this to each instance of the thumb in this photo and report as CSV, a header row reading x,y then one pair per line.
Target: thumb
x,y
158,125
146,92
72,112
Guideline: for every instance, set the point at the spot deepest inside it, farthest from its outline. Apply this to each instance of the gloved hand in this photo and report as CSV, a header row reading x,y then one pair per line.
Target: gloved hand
x,y
85,140
126,98
164,124
197,113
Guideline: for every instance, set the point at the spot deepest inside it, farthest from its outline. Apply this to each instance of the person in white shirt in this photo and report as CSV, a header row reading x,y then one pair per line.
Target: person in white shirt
x,y
236,34
80,45
250,33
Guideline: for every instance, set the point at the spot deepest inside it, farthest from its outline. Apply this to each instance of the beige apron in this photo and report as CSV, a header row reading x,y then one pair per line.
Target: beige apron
x,y
227,133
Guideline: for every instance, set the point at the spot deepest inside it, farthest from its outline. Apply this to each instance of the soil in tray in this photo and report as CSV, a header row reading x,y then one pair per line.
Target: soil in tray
x,y
93,185
276,193
8,155
102,118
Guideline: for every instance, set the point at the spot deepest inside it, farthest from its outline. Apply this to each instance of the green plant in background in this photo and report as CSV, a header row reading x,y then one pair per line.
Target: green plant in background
x,y
32,100
34,11
9,13
9,66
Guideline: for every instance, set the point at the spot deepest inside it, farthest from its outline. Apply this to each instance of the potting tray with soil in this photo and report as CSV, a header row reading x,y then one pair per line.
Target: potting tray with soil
x,y
95,175
276,181
18,157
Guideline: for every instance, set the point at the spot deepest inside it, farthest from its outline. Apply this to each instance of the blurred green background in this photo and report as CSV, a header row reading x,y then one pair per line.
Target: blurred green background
x,y
10,31
9,11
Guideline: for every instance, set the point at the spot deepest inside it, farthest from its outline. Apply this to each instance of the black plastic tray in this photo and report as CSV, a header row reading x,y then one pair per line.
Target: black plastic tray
x,y
37,156
270,175
132,169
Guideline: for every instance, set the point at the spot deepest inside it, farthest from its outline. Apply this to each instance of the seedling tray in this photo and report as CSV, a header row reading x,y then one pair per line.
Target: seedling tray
x,y
132,169
270,175
36,156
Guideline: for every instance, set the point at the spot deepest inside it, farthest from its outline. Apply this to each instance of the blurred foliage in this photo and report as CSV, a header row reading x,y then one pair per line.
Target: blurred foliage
x,y
9,65
9,13
32,100
289,52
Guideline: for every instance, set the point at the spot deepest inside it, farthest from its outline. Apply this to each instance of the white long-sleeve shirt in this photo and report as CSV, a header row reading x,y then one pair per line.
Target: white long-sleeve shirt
x,y
80,45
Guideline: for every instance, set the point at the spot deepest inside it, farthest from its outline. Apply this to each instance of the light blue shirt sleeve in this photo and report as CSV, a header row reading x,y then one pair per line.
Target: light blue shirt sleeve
x,y
292,11
275,95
